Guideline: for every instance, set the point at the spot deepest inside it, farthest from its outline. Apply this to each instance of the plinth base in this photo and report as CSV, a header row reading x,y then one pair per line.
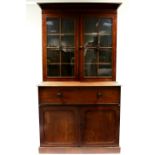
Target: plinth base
x,y
79,150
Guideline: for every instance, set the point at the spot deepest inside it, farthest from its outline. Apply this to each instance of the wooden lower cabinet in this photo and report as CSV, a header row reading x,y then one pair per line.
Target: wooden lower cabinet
x,y
93,125
79,119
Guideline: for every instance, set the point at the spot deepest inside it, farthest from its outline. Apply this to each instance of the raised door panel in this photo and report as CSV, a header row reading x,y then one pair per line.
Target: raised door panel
x,y
58,126
100,126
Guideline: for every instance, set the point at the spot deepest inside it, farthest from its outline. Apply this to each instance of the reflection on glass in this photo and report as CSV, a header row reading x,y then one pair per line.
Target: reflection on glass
x,y
101,41
90,25
53,70
98,47
60,47
90,56
90,70
52,25
98,25
105,55
98,32
105,26
97,70
53,56
106,41
67,41
53,41
67,56
67,26
90,40
104,70
67,70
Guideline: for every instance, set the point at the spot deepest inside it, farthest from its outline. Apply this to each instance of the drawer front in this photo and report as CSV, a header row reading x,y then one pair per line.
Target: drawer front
x,y
109,95
49,95
69,95
79,95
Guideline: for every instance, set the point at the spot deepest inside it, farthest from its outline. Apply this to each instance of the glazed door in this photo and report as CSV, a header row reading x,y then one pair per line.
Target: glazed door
x,y
77,47
60,46
59,126
98,43
99,125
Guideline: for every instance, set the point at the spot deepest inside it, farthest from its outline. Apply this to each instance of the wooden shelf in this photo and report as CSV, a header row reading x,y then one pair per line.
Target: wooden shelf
x,y
60,63
100,47
99,63
58,48
60,34
97,34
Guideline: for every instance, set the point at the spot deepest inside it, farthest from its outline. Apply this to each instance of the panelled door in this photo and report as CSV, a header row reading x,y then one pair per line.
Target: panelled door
x,y
79,125
99,125
59,125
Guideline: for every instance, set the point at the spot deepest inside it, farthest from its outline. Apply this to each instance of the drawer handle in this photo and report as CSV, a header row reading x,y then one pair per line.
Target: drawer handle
x,y
59,94
99,94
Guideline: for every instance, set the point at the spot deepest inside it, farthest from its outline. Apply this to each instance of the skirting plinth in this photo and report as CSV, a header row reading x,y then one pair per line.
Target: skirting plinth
x,y
79,150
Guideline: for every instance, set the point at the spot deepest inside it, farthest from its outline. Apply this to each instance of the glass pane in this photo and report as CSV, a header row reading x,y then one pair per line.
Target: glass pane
x,y
53,56
106,41
97,47
53,70
67,56
91,40
67,26
90,55
67,70
105,26
67,41
90,70
60,47
104,70
52,25
53,41
105,55
90,25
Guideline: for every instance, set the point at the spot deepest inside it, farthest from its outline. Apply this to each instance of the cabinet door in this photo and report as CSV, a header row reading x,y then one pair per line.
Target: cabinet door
x,y
60,44
98,40
100,125
58,126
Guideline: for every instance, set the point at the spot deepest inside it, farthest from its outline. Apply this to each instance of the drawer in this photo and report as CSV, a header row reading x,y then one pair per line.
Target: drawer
x,y
109,95
67,95
79,95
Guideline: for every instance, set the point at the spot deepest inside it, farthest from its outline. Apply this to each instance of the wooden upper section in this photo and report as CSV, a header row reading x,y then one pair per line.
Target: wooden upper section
x,y
78,84
77,11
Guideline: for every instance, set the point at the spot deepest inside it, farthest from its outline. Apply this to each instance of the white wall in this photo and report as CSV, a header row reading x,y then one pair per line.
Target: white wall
x,y
20,68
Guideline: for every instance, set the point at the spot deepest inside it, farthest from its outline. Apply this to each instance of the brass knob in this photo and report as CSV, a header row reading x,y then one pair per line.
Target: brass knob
x,y
81,47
